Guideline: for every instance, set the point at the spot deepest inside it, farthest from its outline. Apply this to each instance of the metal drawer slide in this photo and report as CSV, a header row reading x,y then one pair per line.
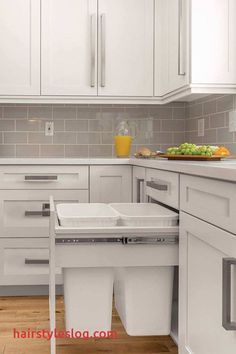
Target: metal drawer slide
x,y
125,240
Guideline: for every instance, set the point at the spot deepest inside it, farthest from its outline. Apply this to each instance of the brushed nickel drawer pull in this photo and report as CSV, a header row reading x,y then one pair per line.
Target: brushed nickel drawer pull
x,y
93,49
40,178
36,261
103,51
158,186
227,264
45,211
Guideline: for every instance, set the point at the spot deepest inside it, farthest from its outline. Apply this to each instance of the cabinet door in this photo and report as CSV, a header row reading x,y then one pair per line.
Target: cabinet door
x,y
21,210
126,47
170,46
25,261
69,47
20,47
213,41
110,184
203,250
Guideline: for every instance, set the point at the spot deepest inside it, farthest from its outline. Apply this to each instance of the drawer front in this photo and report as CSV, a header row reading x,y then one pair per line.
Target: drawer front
x,y
163,187
25,262
44,177
209,200
21,210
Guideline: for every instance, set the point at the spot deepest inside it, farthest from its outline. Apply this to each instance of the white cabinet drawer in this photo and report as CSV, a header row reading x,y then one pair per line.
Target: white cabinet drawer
x,y
210,200
25,262
21,210
44,177
163,186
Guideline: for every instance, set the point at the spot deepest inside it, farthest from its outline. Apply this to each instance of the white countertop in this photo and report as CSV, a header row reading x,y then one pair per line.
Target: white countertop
x,y
224,170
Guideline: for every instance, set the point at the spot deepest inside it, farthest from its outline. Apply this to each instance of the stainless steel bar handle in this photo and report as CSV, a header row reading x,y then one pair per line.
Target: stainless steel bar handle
x,y
93,49
157,185
40,178
181,64
103,50
227,264
45,211
140,181
36,261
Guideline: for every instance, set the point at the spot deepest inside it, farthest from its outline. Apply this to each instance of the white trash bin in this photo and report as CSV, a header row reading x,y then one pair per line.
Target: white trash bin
x,y
88,296
143,295
88,292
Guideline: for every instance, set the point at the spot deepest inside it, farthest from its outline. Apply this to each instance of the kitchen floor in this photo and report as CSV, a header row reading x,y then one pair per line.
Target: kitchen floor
x,y
23,313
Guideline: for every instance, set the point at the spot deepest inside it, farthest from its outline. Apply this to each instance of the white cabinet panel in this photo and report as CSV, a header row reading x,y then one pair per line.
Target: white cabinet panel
x,y
213,41
203,248
170,46
69,47
163,186
20,210
110,184
44,177
126,47
20,47
21,262
210,200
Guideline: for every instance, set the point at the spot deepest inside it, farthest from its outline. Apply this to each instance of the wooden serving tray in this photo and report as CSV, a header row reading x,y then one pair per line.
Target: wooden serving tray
x,y
192,157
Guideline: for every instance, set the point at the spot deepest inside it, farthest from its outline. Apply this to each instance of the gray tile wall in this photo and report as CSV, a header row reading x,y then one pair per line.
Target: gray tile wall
x,y
215,111
86,131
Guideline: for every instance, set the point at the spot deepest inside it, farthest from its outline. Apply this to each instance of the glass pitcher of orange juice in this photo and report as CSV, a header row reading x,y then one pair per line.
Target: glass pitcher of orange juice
x,y
123,140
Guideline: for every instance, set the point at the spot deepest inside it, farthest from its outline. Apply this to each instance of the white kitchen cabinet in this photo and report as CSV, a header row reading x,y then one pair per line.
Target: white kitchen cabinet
x,y
207,290
170,46
110,184
20,47
213,38
25,262
139,176
195,47
21,211
126,47
69,47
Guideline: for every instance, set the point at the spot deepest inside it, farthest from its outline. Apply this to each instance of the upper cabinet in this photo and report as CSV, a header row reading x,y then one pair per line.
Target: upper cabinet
x,y
116,40
195,47
126,47
213,38
170,46
20,47
116,51
69,47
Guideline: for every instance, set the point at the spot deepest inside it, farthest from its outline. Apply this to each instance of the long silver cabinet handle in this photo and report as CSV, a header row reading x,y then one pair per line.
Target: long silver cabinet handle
x,y
140,181
181,70
40,178
227,264
103,50
93,49
158,186
36,261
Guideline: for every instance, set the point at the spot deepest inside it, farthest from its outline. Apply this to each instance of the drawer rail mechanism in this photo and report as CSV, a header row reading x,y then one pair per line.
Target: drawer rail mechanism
x,y
126,240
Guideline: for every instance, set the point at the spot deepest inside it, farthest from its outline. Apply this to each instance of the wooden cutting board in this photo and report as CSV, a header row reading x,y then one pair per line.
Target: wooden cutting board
x,y
192,157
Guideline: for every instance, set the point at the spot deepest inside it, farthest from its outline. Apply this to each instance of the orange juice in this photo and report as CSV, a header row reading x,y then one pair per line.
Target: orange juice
x,y
123,145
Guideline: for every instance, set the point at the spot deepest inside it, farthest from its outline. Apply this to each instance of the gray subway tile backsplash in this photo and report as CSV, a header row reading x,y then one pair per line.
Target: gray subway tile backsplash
x,y
88,130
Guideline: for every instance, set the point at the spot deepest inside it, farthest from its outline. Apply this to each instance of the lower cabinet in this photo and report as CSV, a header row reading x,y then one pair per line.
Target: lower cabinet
x,y
110,184
25,262
139,175
207,313
21,211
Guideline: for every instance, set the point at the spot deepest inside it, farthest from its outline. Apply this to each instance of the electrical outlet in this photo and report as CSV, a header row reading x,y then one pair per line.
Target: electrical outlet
x,y
49,129
201,127
232,121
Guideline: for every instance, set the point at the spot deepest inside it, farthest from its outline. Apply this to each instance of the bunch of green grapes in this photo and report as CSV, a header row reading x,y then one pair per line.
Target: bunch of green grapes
x,y
191,149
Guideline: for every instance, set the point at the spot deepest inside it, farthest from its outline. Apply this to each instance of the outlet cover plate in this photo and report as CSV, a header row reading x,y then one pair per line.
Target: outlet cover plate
x,y
201,127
